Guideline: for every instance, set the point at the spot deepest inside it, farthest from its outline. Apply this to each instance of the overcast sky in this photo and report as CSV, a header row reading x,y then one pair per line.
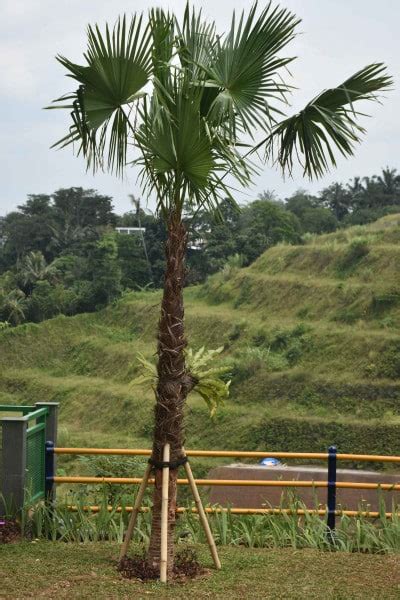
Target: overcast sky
x,y
338,37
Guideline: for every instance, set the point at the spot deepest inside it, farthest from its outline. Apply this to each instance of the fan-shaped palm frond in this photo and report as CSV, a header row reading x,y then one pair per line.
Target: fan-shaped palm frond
x,y
327,123
204,90
179,151
244,69
118,68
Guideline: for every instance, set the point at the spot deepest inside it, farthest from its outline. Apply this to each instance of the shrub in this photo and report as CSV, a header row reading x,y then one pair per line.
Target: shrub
x,y
388,362
237,330
252,359
383,301
232,265
304,312
112,466
315,435
355,252
292,343
260,339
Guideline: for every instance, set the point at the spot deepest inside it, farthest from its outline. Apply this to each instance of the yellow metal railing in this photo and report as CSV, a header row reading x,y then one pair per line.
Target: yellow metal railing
x,y
235,482
231,454
242,511
244,482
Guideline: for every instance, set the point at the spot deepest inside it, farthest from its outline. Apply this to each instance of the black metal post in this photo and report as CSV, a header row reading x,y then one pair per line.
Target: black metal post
x,y
331,502
49,472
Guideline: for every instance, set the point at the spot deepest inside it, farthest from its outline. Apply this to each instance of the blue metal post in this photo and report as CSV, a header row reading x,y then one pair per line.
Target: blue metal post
x,y
49,471
331,489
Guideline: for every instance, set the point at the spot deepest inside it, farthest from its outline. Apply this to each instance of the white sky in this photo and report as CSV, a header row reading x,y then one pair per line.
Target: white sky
x,y
338,37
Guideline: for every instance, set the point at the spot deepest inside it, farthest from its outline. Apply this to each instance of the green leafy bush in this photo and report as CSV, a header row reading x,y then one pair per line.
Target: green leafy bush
x,y
387,363
384,301
349,261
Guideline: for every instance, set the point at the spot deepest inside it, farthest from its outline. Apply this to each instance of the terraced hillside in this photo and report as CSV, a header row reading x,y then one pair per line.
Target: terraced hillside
x,y
312,334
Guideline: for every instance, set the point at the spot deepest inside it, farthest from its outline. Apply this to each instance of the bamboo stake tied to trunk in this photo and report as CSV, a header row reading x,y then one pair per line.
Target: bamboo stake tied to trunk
x,y
164,513
202,515
135,512
164,516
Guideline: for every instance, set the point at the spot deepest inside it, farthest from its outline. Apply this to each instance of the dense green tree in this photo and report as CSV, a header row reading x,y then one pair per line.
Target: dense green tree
x,y
28,229
311,216
337,199
300,201
48,300
264,224
213,237
132,262
103,271
77,207
318,220
50,224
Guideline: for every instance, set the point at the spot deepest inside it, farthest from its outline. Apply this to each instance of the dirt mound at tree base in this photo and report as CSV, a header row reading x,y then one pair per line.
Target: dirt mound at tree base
x,y
186,567
9,531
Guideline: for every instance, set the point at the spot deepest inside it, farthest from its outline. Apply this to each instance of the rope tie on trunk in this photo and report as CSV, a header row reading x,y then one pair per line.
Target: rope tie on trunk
x,y
160,464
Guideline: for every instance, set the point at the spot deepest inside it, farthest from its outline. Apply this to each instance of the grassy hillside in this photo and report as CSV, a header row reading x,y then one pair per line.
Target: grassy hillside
x,y
312,333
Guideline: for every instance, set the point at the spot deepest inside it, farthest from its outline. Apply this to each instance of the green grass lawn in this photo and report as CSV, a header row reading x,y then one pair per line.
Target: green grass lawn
x,y
88,571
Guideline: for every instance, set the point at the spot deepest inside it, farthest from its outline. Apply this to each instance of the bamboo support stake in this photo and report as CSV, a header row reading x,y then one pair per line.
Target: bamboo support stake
x,y
202,515
164,517
135,511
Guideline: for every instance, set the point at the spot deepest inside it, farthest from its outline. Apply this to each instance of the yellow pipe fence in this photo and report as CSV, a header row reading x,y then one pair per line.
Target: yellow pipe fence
x,y
230,454
237,482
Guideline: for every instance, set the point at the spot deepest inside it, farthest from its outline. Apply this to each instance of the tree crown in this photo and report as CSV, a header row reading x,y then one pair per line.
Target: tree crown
x,y
190,103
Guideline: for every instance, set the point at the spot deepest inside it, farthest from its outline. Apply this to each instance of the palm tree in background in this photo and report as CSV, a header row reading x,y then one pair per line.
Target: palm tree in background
x,y
13,306
66,234
34,268
193,106
389,181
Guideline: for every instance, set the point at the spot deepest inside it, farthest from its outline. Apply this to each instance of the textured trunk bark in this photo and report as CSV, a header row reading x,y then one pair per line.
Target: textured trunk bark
x,y
174,383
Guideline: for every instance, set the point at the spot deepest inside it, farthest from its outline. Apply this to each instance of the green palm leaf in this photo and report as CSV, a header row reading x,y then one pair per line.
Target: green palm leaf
x,y
244,68
327,123
118,67
204,91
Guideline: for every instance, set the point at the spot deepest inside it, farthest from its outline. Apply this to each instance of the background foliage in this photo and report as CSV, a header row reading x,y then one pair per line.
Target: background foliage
x,y
60,253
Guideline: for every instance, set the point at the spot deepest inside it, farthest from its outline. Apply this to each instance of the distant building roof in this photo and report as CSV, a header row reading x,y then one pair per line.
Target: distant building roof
x,y
130,230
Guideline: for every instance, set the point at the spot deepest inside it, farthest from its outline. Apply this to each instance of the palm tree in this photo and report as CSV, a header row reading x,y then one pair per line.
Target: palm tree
x,y
389,181
337,199
13,305
34,268
190,103
372,195
66,234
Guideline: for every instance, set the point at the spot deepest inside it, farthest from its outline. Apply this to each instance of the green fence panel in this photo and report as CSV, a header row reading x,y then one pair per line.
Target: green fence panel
x,y
10,408
23,452
35,460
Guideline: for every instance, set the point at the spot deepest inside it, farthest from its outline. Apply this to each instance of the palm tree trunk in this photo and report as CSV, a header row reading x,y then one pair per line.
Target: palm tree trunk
x,y
174,384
